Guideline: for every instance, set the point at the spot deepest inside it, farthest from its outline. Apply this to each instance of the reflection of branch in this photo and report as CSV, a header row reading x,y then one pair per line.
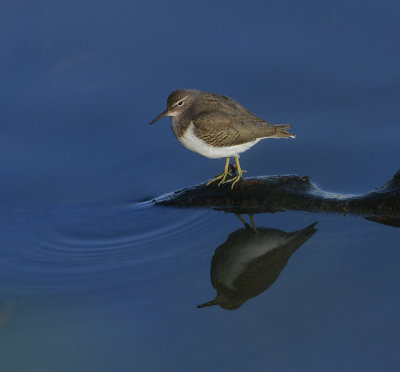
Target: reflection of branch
x,y
278,193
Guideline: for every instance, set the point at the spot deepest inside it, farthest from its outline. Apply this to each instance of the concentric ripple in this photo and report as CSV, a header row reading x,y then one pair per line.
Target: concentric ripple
x,y
137,239
93,244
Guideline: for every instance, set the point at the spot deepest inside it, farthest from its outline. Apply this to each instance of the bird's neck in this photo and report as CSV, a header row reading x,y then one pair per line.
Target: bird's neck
x,y
179,125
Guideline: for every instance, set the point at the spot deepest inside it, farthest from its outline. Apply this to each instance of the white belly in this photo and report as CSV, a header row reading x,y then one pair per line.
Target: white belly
x,y
191,142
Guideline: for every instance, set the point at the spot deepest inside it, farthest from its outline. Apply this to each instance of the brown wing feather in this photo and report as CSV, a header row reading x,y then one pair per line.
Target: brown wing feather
x,y
221,129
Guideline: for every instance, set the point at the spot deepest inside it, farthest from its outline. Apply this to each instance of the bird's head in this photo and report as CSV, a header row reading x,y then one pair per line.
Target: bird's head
x,y
224,302
178,102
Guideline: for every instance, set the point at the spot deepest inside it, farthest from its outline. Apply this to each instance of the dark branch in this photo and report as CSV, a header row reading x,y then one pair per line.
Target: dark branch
x,y
289,192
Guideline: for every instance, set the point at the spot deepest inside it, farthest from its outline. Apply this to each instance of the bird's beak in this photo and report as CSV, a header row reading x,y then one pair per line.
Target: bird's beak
x,y
211,303
163,114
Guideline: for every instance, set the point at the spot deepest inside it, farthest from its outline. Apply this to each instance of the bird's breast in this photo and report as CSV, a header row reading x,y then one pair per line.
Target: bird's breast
x,y
187,137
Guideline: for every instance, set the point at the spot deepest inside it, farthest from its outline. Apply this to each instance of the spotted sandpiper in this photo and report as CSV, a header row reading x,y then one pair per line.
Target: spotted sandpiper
x,y
217,126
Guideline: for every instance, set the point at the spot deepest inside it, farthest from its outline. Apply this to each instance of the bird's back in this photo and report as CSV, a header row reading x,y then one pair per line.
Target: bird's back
x,y
230,123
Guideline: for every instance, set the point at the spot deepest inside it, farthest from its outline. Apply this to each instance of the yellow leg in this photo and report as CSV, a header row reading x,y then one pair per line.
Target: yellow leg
x,y
242,220
240,172
221,176
253,225
246,225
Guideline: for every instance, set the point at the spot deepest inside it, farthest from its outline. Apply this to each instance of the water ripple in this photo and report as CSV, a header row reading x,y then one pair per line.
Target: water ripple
x,y
117,239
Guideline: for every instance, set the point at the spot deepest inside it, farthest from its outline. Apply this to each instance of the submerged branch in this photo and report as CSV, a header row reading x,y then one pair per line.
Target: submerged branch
x,y
289,192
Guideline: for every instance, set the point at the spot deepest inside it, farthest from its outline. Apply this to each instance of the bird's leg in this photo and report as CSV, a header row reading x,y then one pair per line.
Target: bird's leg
x,y
253,225
246,225
249,228
221,176
240,172
226,172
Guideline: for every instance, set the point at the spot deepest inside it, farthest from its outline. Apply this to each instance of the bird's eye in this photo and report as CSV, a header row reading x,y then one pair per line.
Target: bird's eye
x,y
180,103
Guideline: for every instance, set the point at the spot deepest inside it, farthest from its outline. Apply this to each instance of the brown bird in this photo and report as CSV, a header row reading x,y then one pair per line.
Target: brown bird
x,y
217,126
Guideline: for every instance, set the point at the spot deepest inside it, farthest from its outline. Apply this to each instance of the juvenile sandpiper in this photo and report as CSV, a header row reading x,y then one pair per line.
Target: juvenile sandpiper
x,y
217,126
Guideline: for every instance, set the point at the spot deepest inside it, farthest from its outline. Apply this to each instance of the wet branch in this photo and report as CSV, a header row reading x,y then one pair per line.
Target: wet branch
x,y
289,192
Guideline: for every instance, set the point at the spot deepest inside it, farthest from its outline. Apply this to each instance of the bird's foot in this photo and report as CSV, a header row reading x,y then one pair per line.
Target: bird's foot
x,y
221,177
236,179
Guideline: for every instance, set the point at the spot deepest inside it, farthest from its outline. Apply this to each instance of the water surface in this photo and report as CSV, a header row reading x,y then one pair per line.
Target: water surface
x,y
93,277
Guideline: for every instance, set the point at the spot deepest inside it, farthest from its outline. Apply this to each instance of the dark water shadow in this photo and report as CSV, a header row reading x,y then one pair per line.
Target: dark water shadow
x,y
250,261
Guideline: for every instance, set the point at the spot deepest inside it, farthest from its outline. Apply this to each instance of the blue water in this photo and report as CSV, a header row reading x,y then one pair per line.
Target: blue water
x,y
93,277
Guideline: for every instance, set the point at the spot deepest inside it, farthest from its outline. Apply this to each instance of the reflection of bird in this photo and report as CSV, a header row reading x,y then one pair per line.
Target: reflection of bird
x,y
216,126
248,263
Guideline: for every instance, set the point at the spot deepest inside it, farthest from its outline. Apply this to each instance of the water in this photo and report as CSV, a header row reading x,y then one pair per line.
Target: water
x,y
94,277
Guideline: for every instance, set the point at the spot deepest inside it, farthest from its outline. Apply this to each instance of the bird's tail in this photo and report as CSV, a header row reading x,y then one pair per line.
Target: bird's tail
x,y
281,131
